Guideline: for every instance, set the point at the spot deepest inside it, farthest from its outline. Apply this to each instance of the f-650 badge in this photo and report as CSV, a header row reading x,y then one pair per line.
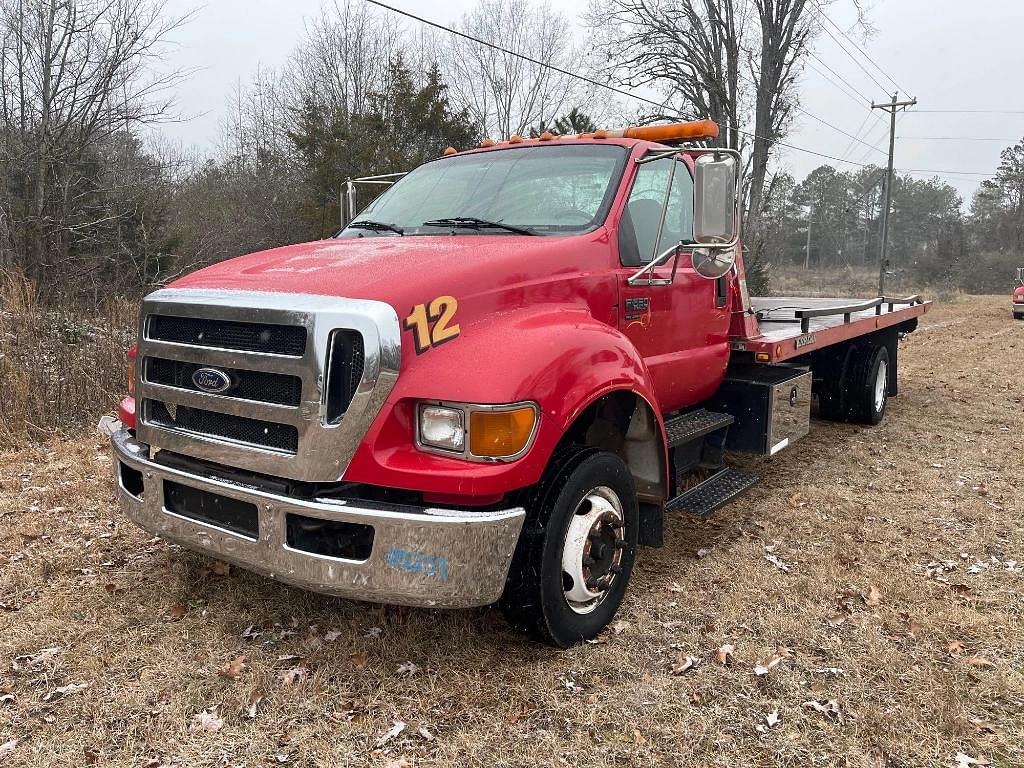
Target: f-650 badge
x,y
440,312
805,340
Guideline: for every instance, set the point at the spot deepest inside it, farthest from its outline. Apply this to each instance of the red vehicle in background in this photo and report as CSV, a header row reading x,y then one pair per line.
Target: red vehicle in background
x,y
1018,296
493,385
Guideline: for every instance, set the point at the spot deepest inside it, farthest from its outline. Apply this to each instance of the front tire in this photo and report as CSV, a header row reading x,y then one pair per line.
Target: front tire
x,y
576,552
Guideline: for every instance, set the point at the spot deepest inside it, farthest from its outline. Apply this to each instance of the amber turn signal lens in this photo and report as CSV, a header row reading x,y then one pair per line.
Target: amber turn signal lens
x,y
500,434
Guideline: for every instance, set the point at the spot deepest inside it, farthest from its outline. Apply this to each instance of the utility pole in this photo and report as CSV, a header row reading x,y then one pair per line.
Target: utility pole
x,y
807,250
891,108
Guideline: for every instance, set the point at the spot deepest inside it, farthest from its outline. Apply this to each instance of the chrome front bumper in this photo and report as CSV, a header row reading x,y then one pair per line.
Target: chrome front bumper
x,y
423,557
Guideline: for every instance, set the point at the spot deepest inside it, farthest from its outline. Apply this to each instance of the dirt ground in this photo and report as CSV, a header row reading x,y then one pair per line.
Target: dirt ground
x,y
870,588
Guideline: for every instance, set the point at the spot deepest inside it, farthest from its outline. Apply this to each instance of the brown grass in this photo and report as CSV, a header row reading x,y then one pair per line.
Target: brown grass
x,y
847,508
60,366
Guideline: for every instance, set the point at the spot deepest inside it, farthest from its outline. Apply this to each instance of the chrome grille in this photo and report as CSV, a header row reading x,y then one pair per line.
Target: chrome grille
x,y
238,429
226,334
258,386
283,409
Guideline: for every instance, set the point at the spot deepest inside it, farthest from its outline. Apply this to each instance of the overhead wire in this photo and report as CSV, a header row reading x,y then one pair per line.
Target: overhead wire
x,y
660,105
861,51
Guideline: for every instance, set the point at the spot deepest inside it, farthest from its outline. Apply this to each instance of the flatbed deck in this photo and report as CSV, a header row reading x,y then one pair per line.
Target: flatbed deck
x,y
790,326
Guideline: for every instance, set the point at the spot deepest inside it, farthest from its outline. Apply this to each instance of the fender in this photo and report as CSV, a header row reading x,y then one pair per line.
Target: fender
x,y
556,355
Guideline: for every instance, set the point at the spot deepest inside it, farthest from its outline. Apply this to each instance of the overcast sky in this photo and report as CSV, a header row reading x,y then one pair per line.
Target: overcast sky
x,y
950,54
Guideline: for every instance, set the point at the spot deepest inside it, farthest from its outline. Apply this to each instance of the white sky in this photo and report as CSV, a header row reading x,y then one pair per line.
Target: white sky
x,y
950,54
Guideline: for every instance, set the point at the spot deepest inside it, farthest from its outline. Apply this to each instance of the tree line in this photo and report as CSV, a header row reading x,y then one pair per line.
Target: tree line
x,y
92,200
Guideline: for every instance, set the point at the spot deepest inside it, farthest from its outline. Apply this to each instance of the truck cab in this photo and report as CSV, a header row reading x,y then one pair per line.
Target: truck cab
x,y
492,385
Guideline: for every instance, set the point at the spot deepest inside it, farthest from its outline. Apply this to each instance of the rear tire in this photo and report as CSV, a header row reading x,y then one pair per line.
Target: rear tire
x,y
869,385
575,555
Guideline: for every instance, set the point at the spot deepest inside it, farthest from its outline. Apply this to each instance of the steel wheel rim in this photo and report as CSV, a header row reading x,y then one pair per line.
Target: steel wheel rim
x,y
880,382
592,551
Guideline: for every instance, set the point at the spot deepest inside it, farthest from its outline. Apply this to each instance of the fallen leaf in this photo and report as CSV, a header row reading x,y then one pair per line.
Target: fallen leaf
x,y
422,731
874,597
207,720
956,648
782,566
763,668
983,726
176,612
965,761
704,552
391,733
255,699
65,690
399,763
980,662
797,500
407,669
828,708
8,746
232,669
360,659
331,636
683,665
250,632
784,652
836,619
294,675
724,654
676,588
620,626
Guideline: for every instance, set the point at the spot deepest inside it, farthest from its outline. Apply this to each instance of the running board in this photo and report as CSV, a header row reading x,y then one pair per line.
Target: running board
x,y
688,427
715,492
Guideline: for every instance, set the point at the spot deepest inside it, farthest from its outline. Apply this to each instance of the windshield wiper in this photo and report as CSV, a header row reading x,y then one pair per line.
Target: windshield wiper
x,y
376,226
471,222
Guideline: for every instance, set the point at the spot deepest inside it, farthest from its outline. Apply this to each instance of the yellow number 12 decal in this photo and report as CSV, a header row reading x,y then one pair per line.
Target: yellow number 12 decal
x,y
440,311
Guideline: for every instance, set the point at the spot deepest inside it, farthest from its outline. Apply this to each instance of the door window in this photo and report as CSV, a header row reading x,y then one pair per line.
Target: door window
x,y
638,228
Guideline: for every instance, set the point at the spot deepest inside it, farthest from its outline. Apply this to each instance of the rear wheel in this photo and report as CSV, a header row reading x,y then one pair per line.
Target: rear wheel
x,y
869,385
576,553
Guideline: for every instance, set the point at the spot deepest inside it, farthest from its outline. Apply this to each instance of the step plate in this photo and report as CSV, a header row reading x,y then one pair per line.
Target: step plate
x,y
718,490
690,426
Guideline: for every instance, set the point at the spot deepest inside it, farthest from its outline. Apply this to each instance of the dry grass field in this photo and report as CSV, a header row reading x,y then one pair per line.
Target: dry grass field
x,y
871,589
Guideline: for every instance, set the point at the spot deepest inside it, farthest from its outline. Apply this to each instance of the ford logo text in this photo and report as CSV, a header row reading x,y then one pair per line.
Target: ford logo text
x,y
211,380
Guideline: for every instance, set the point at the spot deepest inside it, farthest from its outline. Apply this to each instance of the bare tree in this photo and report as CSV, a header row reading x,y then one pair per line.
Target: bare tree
x,y
76,78
505,93
733,61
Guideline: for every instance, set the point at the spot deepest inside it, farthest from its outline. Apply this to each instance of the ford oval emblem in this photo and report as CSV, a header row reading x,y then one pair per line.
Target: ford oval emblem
x,y
211,380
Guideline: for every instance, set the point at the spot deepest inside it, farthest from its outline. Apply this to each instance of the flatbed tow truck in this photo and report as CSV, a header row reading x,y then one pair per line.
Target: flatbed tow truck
x,y
493,385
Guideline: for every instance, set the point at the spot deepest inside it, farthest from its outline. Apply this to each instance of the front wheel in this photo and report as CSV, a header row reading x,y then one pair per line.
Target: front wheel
x,y
576,552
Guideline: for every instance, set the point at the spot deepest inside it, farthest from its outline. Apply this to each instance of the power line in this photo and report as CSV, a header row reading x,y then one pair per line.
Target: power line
x,y
821,12
853,58
955,138
969,111
842,79
628,94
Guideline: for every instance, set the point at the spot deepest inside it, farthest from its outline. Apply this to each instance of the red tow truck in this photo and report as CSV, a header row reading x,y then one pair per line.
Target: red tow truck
x,y
1018,296
493,385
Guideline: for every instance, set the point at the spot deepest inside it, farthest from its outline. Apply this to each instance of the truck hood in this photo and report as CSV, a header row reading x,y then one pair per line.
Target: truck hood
x,y
402,271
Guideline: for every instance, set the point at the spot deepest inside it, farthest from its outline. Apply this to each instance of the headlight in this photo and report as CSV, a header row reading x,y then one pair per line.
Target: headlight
x,y
477,432
442,427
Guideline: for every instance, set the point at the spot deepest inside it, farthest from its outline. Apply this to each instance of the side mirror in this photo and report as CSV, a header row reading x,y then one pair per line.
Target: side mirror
x,y
715,199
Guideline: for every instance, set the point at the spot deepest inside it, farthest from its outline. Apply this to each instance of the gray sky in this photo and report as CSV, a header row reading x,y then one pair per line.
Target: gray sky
x,y
950,54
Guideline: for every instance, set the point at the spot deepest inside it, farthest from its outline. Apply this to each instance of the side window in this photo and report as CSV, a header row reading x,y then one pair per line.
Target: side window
x,y
638,228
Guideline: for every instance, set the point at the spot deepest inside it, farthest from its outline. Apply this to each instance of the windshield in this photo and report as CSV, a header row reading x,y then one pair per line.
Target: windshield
x,y
547,190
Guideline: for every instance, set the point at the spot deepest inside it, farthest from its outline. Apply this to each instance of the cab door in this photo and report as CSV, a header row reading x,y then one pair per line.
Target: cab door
x,y
681,329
